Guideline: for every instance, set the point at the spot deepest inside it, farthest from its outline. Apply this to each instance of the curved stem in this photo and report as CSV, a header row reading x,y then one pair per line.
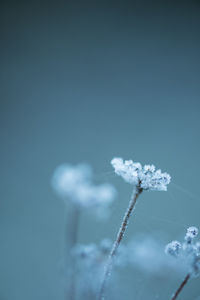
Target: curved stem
x,y
183,283
108,267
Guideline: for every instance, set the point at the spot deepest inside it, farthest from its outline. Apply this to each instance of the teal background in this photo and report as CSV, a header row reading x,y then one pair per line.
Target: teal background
x,y
84,82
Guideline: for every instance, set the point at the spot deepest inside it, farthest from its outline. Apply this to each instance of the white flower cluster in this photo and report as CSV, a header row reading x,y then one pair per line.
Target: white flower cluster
x,y
75,183
146,177
188,252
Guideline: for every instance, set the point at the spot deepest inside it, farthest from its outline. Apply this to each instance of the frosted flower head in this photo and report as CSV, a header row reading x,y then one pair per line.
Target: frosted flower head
x,y
75,183
192,232
189,251
146,177
173,248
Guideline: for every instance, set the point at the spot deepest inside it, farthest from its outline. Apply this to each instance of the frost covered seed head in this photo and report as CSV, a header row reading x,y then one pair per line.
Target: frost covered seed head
x,y
192,232
147,177
173,248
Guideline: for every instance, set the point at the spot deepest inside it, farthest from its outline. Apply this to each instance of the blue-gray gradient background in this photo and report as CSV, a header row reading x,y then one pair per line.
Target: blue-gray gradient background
x,y
83,82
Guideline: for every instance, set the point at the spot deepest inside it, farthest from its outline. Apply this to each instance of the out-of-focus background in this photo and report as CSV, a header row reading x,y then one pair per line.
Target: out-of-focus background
x,y
83,82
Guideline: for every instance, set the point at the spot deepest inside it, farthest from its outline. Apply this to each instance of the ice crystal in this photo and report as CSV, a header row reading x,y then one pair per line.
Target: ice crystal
x,y
75,183
188,252
145,177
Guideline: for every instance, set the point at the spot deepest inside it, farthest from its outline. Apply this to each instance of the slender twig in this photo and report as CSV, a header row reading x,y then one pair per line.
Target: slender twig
x,y
183,283
71,240
108,267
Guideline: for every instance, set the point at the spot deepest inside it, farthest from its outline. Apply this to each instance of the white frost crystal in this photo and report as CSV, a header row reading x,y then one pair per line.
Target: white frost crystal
x,y
188,252
145,177
75,183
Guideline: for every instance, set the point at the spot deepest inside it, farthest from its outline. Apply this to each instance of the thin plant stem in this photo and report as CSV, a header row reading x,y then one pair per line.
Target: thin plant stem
x,y
72,226
183,283
123,227
71,241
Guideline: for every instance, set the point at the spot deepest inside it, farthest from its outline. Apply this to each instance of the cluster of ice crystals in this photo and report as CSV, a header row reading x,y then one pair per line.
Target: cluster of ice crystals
x,y
145,177
188,252
75,183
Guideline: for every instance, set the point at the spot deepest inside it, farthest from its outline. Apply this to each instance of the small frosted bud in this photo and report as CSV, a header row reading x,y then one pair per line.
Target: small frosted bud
x,y
192,232
173,248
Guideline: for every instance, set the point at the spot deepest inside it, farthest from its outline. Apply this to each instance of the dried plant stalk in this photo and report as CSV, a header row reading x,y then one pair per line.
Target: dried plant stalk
x,y
108,267
183,283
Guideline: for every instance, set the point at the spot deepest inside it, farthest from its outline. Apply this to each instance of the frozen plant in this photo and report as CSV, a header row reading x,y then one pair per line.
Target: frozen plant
x,y
141,178
187,253
75,186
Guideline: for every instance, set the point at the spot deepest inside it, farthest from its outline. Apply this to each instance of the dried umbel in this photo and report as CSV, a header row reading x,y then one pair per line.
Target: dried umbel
x,y
147,177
